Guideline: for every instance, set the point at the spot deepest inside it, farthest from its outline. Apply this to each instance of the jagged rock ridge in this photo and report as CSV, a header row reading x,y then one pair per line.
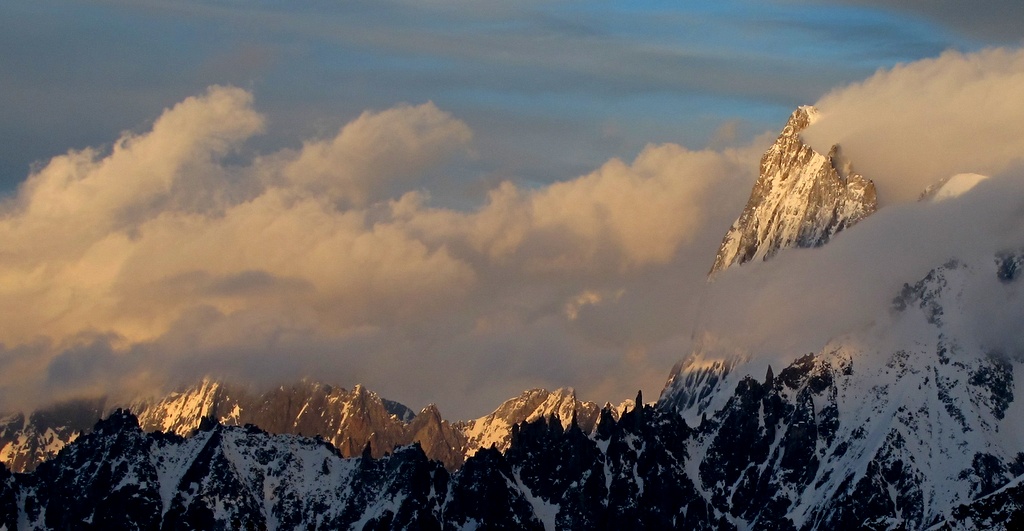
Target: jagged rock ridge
x,y
627,475
496,428
347,419
801,199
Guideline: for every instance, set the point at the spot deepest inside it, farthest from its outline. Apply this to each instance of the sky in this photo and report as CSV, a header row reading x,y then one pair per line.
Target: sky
x,y
451,201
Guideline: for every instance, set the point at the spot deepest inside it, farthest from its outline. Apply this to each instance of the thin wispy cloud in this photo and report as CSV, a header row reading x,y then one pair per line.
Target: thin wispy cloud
x,y
657,72
994,21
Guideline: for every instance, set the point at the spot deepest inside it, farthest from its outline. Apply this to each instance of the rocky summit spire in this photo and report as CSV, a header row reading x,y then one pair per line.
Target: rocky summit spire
x,y
801,199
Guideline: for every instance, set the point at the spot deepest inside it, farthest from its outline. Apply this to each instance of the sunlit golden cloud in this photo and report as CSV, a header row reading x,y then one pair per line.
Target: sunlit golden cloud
x,y
170,242
913,125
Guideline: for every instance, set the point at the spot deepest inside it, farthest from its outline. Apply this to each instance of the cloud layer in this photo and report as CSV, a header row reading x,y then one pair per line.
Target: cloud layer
x,y
175,254
183,251
911,126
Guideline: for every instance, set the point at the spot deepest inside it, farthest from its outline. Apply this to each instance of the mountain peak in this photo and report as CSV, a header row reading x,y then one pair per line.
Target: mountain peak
x,y
802,118
495,428
802,198
430,409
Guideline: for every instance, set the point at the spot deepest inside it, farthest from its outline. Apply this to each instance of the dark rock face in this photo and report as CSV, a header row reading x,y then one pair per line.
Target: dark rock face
x,y
409,476
630,475
8,499
103,481
764,446
801,199
223,477
1009,265
887,494
556,464
1001,510
485,494
649,489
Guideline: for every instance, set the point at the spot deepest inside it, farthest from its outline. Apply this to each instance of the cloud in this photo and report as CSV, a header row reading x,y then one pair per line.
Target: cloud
x,y
913,125
181,251
991,21
801,299
378,154
957,185
86,192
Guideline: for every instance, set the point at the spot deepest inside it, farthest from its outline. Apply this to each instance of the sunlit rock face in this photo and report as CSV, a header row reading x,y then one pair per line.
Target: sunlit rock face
x,y
348,419
801,199
27,440
496,428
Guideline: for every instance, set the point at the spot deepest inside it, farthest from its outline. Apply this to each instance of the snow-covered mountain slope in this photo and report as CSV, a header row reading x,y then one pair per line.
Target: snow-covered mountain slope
x,y
894,426
801,199
628,475
699,385
119,477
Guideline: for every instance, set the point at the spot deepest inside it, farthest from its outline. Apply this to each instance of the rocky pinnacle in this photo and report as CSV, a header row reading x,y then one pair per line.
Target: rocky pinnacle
x,y
801,199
